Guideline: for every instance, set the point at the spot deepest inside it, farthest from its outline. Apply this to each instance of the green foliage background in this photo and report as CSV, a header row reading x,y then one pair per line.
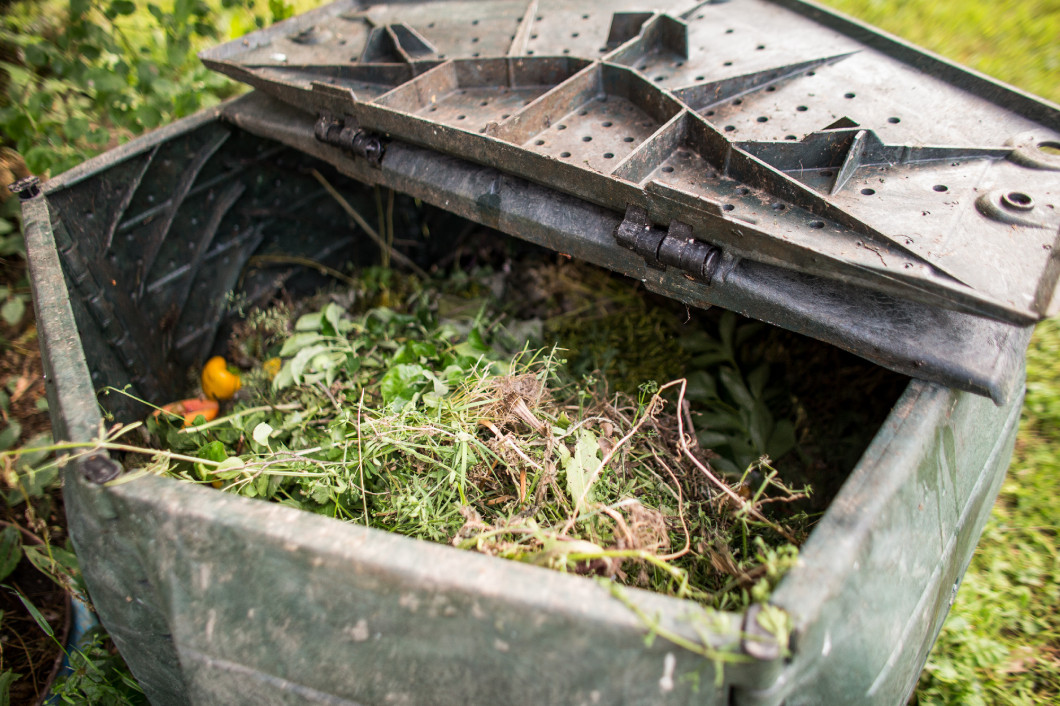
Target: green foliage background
x,y
78,77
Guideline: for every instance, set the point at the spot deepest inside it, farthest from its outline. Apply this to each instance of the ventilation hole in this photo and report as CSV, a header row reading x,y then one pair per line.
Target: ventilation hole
x,y
848,95
778,207
738,101
679,64
566,51
727,63
460,117
817,225
474,22
660,78
476,55
474,40
762,118
701,78
607,123
743,191
506,116
868,192
760,47
894,121
730,128
627,139
539,142
587,138
940,187
585,17
561,126
668,169
564,154
602,50
433,108
430,26
790,137
533,36
484,103
574,35
709,113
729,31
539,18
482,131
727,207
811,73
530,52
1018,201
801,108
609,155
770,89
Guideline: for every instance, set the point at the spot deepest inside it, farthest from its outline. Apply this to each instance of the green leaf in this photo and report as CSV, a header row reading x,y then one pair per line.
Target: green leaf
x,y
230,468
37,616
474,338
13,310
10,551
213,451
54,562
298,341
725,330
7,678
761,426
732,382
309,322
39,443
400,382
335,315
580,466
701,386
782,440
9,435
302,360
757,380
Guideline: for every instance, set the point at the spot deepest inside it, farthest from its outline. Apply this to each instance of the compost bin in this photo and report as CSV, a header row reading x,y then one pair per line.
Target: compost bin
x,y
771,158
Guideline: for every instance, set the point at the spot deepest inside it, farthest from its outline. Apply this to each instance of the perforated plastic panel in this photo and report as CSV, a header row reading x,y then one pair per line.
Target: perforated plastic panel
x,y
773,130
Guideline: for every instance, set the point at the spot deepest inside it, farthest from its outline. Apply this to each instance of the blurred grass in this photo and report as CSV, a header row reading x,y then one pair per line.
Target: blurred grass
x,y
1017,41
1001,642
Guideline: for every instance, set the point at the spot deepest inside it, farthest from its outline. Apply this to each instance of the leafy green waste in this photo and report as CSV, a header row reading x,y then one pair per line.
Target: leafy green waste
x,y
444,417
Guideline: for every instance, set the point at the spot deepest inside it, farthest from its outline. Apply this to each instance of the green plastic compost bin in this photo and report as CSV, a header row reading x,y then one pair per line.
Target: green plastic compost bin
x,y
768,157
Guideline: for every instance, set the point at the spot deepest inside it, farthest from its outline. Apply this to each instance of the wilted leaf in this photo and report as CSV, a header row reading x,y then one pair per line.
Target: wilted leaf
x,y
261,433
580,466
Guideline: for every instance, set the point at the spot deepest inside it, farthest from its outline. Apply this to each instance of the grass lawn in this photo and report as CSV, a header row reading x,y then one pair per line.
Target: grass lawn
x,y
1001,643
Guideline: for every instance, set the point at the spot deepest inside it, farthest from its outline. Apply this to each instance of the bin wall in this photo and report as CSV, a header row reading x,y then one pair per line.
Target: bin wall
x,y
216,599
882,569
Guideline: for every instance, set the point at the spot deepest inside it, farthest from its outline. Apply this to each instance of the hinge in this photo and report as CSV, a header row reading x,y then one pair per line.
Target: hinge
x,y
345,134
675,247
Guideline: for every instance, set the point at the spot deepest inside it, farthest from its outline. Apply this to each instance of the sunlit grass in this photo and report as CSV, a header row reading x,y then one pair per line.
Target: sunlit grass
x,y
1001,642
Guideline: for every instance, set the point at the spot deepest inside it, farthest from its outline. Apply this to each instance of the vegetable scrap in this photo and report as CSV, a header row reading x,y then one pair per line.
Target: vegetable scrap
x,y
580,426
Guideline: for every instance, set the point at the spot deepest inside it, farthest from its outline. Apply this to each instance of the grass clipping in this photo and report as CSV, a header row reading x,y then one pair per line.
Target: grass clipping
x,y
437,420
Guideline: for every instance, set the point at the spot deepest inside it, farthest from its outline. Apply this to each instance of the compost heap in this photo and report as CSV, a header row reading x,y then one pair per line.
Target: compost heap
x,y
537,414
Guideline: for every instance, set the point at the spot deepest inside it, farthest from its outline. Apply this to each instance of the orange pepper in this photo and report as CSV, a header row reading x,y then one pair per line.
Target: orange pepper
x,y
218,382
190,409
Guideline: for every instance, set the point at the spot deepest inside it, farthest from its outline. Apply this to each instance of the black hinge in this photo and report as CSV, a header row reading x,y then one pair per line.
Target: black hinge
x,y
345,134
674,247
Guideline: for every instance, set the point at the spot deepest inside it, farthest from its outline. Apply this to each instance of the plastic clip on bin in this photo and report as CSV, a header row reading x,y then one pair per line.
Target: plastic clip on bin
x,y
768,157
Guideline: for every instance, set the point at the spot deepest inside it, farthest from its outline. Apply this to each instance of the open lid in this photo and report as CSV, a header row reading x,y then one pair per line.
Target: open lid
x,y
771,131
